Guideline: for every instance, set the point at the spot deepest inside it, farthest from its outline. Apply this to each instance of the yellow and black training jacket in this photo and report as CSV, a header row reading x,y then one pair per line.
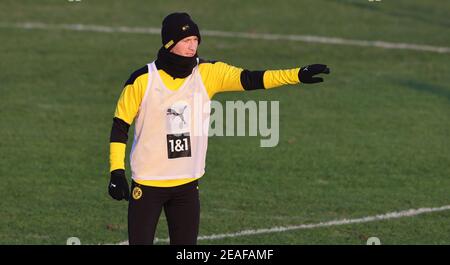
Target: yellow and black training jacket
x,y
216,76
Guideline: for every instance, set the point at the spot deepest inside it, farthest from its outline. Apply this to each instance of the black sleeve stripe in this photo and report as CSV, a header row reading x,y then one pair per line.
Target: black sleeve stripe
x,y
119,131
206,61
136,74
251,80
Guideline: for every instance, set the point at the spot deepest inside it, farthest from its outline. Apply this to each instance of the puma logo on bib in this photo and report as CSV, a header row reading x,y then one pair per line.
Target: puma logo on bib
x,y
178,121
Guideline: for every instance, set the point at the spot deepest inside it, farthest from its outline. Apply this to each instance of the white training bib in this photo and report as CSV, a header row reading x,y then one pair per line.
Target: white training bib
x,y
171,130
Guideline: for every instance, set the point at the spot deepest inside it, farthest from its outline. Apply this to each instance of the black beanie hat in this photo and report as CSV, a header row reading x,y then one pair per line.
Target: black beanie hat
x,y
177,26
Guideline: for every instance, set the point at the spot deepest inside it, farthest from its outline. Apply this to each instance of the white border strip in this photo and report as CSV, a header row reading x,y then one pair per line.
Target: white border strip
x,y
240,35
278,229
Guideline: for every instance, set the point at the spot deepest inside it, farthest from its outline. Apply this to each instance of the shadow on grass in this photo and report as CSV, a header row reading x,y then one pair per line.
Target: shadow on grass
x,y
437,90
408,12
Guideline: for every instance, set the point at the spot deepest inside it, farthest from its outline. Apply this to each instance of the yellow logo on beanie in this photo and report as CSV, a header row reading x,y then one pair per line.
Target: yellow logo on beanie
x,y
185,27
137,193
168,44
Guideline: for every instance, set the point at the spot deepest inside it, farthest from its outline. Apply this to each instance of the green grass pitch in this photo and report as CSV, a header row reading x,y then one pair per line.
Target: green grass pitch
x,y
373,138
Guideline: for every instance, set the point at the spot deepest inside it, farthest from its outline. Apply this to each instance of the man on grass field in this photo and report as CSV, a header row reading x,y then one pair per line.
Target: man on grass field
x,y
168,154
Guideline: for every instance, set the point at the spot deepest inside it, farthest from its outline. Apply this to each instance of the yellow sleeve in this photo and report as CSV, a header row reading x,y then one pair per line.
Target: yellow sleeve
x,y
220,77
116,156
131,98
276,78
126,110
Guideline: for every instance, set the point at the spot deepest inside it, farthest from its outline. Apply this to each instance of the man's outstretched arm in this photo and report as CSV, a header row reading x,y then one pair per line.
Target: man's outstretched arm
x,y
221,77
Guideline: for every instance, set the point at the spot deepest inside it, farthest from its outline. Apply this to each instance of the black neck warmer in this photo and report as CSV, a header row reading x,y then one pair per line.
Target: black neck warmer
x,y
175,65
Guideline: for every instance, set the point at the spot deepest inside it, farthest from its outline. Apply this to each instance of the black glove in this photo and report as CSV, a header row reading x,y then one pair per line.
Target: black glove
x,y
306,73
118,185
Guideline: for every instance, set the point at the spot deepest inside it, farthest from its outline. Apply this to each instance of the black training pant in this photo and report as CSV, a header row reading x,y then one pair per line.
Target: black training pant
x,y
182,209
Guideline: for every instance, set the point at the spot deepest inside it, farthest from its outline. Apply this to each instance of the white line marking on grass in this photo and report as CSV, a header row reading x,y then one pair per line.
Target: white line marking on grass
x,y
241,35
278,229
